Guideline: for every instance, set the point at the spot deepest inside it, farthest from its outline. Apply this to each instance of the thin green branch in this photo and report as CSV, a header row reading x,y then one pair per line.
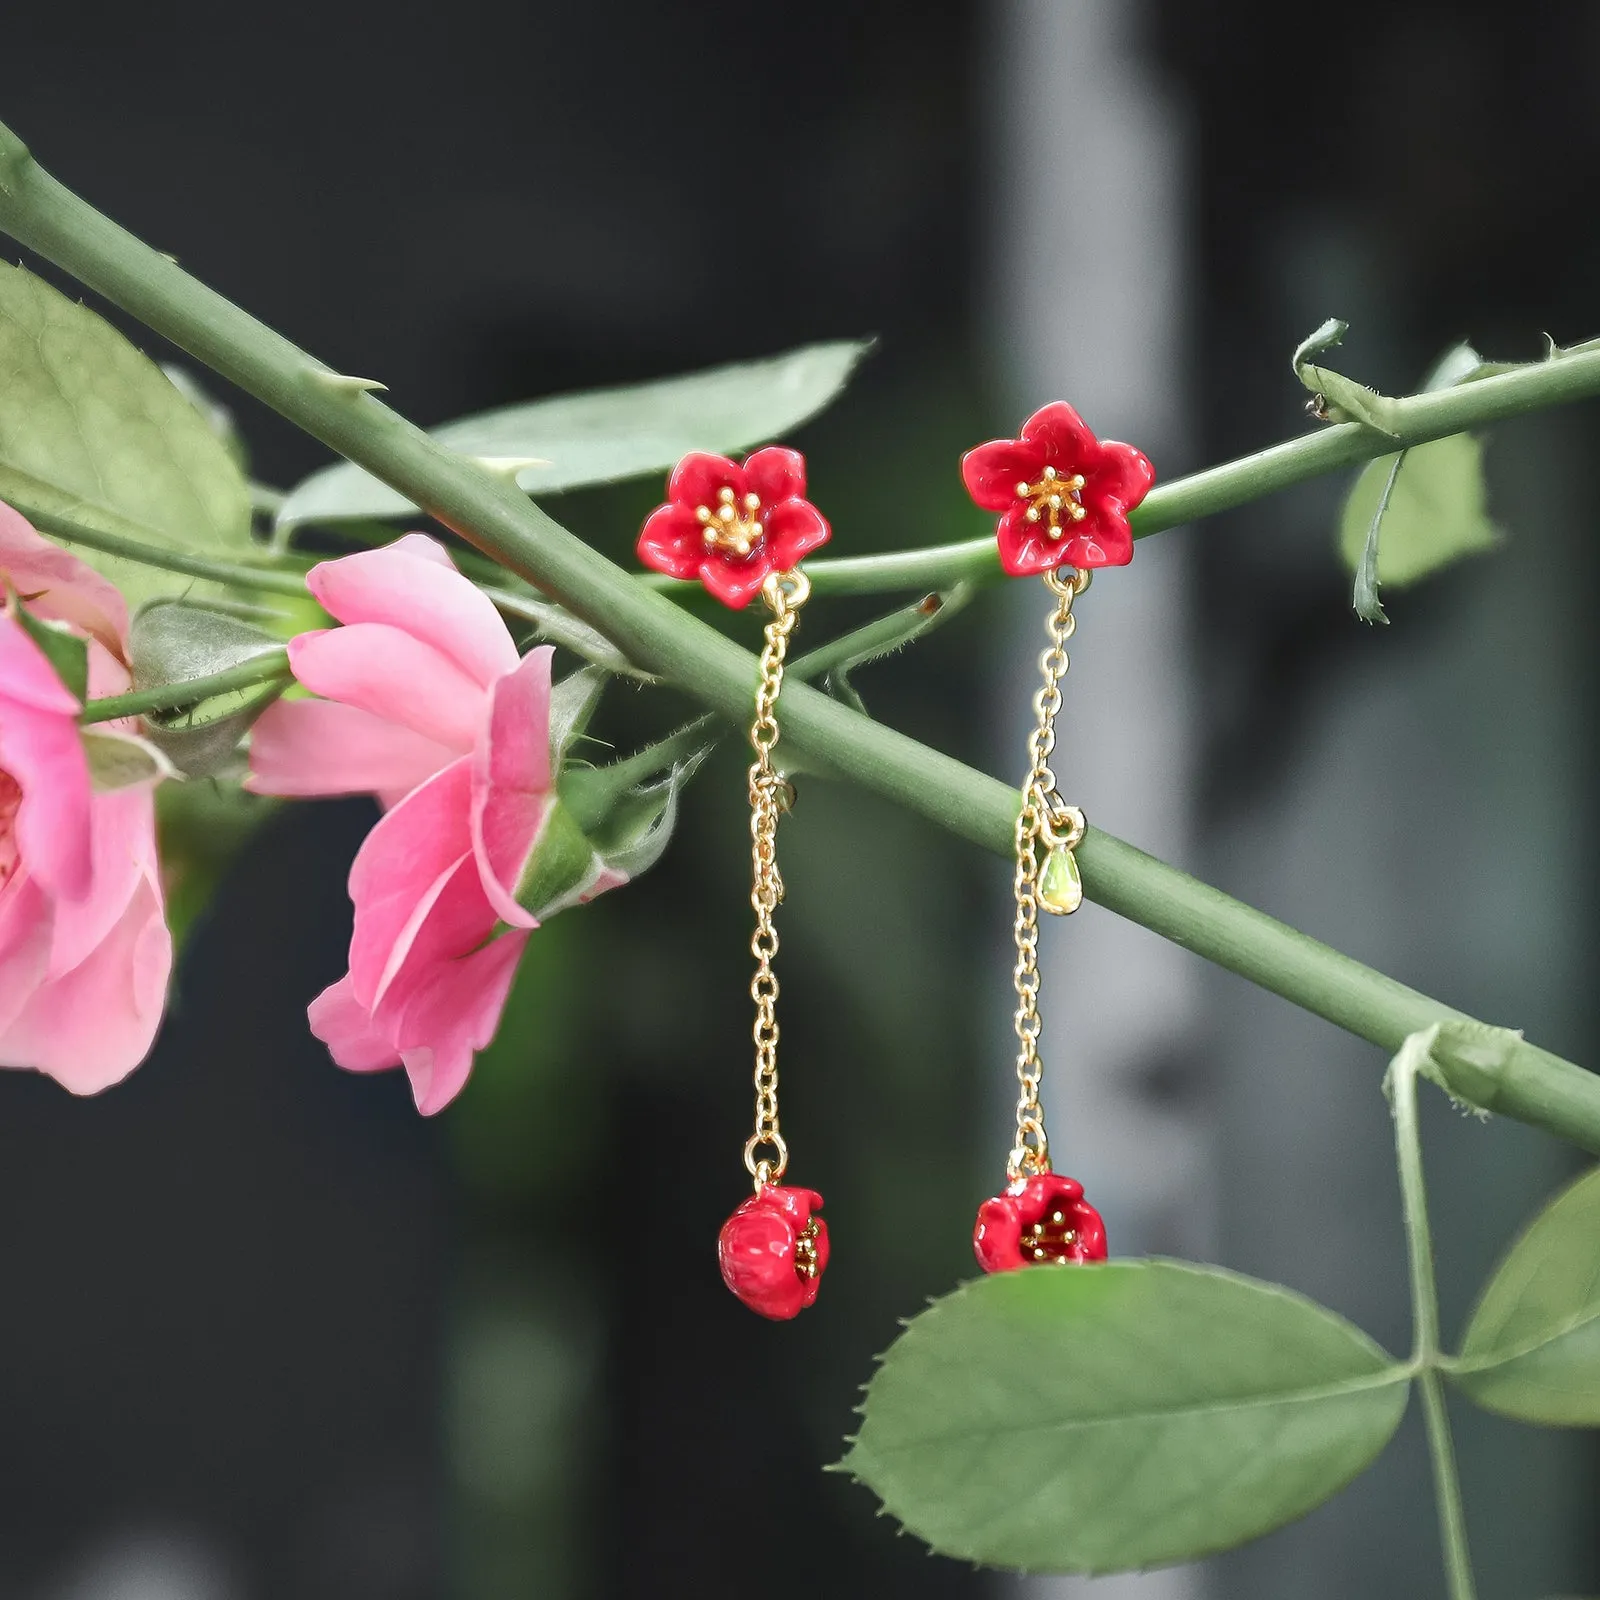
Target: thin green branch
x,y
1402,1089
665,639
241,575
882,636
875,638
271,666
1417,419
660,757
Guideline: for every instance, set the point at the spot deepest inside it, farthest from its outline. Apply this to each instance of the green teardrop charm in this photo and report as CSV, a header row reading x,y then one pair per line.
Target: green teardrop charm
x,y
1060,886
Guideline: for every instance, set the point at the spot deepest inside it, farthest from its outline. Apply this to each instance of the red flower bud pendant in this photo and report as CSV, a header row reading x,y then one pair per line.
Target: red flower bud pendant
x,y
1038,1221
742,530
774,1249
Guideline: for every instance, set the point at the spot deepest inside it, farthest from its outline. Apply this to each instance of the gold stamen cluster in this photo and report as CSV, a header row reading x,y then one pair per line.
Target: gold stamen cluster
x,y
805,1251
1052,497
726,529
1046,1238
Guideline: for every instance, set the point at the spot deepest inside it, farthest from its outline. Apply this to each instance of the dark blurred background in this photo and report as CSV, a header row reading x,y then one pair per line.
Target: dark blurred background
x,y
268,1333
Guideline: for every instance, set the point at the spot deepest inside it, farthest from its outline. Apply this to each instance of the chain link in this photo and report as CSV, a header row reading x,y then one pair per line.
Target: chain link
x,y
1045,821
770,794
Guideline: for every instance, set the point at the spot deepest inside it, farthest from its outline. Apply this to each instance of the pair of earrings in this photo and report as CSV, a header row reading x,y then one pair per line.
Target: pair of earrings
x,y
1063,497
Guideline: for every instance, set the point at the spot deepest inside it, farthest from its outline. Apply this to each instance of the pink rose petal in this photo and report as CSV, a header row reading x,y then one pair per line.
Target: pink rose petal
x,y
323,747
41,750
386,671
399,863
403,588
512,792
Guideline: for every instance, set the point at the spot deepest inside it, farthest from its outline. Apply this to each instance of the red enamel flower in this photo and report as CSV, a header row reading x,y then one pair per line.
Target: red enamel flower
x,y
731,526
1037,1220
1064,494
773,1250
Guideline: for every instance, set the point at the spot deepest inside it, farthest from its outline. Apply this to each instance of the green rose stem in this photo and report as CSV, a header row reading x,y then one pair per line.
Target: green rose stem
x,y
271,666
500,520
1401,1085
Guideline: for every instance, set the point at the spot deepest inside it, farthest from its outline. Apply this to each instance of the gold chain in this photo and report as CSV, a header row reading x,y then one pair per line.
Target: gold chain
x,y
784,593
1044,820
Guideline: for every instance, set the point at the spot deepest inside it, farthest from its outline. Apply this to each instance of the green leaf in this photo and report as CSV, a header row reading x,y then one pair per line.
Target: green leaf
x,y
216,416
1532,1348
606,435
91,430
67,654
1340,399
122,760
1412,513
1437,511
1112,1417
1330,334
1459,364
1365,596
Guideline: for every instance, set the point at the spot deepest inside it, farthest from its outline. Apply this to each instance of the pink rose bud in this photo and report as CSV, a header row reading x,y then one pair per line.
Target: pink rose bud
x,y
426,704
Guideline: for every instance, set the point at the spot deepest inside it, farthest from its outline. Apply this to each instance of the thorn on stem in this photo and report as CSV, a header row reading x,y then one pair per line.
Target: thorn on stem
x,y
344,382
508,467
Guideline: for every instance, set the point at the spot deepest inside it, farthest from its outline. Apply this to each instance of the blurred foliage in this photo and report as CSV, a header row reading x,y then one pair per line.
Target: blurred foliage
x,y
600,436
200,827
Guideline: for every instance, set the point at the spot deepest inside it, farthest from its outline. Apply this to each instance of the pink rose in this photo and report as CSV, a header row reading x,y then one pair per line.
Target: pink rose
x,y
425,704
84,948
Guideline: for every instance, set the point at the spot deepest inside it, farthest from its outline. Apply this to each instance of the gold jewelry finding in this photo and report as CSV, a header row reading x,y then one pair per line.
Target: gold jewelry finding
x,y
1047,833
770,795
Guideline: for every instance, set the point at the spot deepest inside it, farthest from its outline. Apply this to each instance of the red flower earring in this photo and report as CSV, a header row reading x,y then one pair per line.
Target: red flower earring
x,y
1064,494
1064,498
742,530
732,527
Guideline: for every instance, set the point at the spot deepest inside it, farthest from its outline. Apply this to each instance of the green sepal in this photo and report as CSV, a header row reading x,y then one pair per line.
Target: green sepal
x,y
123,760
561,868
604,821
572,704
635,833
172,642
67,654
